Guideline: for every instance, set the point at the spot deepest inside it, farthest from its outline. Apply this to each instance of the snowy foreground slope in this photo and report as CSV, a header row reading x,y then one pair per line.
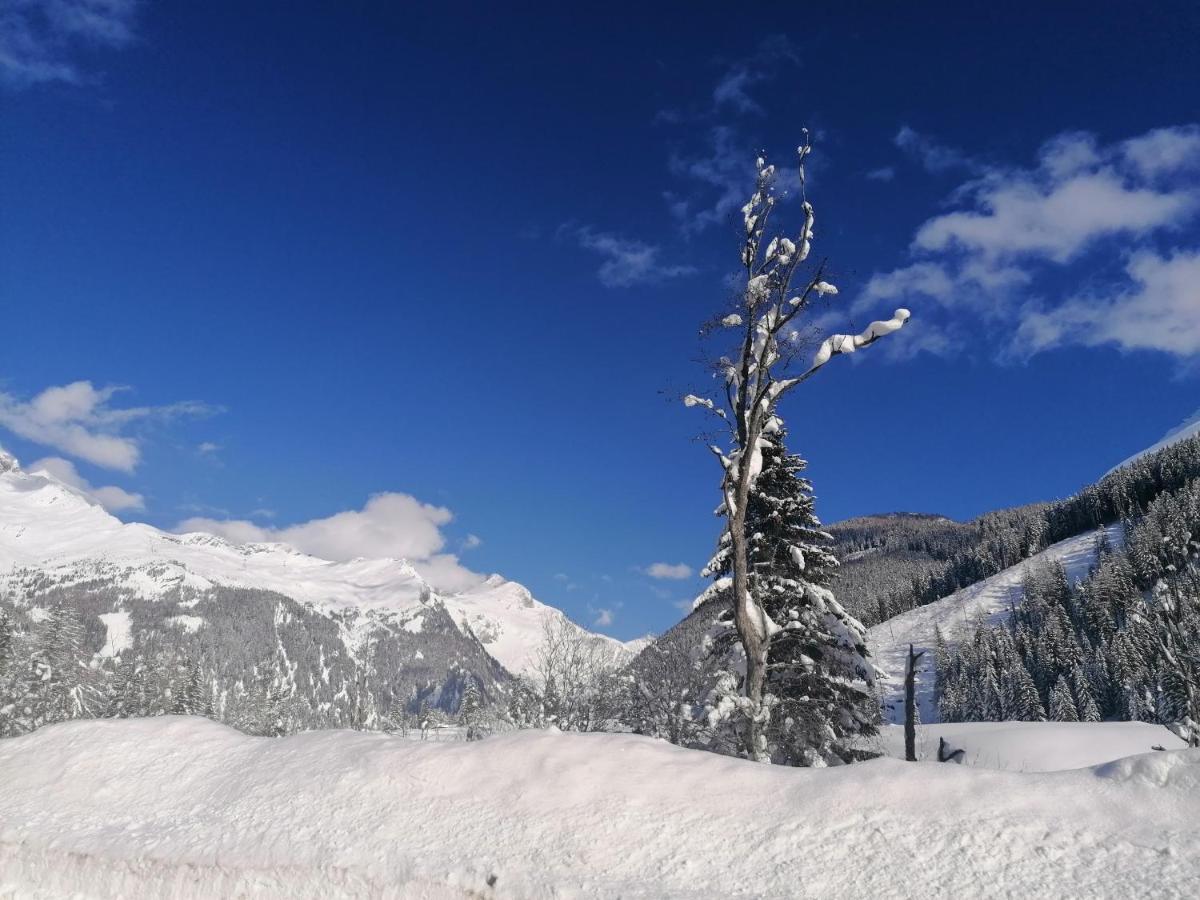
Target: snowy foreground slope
x,y
182,807
49,531
985,602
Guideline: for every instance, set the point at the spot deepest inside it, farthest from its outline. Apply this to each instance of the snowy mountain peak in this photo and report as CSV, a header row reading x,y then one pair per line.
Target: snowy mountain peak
x,y
53,528
8,462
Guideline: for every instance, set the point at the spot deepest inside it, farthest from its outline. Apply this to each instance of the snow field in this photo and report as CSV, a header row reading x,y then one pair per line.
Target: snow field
x,y
1033,746
184,807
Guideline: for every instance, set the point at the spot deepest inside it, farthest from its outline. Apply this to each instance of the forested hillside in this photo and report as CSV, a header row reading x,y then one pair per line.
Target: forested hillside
x,y
1123,643
892,563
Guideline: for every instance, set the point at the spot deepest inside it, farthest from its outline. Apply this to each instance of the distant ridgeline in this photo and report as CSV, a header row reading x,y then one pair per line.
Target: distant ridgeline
x,y
1124,643
891,564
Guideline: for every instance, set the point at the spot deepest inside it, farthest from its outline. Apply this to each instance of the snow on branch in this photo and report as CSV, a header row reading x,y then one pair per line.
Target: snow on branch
x,y
692,400
837,344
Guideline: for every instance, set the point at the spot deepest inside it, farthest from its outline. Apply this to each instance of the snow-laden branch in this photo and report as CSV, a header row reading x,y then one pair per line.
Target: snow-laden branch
x,y
839,344
692,400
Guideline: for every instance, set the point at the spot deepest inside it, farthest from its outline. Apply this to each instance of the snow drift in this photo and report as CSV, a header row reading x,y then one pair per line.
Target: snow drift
x,y
183,807
1033,746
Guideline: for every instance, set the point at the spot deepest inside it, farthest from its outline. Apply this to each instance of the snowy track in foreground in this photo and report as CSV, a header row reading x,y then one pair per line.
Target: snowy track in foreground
x,y
988,601
185,808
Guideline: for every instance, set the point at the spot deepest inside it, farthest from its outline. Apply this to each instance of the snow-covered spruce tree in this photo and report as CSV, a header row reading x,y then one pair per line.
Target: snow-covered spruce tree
x,y
471,714
60,685
760,369
1062,704
818,673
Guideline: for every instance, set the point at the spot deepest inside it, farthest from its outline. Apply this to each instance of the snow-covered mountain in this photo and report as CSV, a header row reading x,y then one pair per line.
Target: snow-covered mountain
x,y
53,535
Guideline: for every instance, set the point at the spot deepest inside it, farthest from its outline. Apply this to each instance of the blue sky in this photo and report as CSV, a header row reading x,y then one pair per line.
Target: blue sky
x,y
263,262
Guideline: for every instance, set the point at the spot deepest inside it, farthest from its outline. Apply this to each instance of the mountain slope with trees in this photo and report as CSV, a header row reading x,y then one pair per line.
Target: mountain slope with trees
x,y
104,618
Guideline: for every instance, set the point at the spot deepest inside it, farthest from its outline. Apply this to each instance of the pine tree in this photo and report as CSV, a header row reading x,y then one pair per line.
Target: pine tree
x,y
60,685
941,660
193,697
6,643
1084,701
1062,704
12,687
122,689
1027,705
470,712
758,372
819,676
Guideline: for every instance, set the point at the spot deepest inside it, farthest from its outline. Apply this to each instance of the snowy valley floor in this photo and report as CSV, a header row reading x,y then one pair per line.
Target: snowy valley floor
x,y
183,807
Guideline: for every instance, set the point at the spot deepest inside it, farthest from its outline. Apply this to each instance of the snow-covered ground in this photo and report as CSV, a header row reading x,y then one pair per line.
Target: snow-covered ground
x,y
49,527
185,808
986,602
1033,746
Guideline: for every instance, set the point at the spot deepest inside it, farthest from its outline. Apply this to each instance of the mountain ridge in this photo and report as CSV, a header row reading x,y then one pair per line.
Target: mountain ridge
x,y
49,526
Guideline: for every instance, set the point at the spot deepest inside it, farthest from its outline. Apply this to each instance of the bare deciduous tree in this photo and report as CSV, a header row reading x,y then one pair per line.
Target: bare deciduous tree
x,y
576,675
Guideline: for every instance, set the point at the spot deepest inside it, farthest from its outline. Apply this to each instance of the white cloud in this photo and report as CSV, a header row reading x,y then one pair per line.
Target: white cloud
x,y
626,262
389,525
207,448
1052,220
471,541
883,173
1159,310
78,420
995,261
111,497
1164,150
676,571
39,39
604,618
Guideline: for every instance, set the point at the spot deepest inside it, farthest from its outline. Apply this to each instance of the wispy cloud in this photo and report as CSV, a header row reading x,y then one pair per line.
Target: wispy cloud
x,y
111,497
719,175
42,40
884,173
933,156
603,618
78,419
388,525
625,262
733,87
673,571
992,262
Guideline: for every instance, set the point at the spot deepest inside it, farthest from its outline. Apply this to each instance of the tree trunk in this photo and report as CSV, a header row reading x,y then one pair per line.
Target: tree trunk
x,y
910,705
748,618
